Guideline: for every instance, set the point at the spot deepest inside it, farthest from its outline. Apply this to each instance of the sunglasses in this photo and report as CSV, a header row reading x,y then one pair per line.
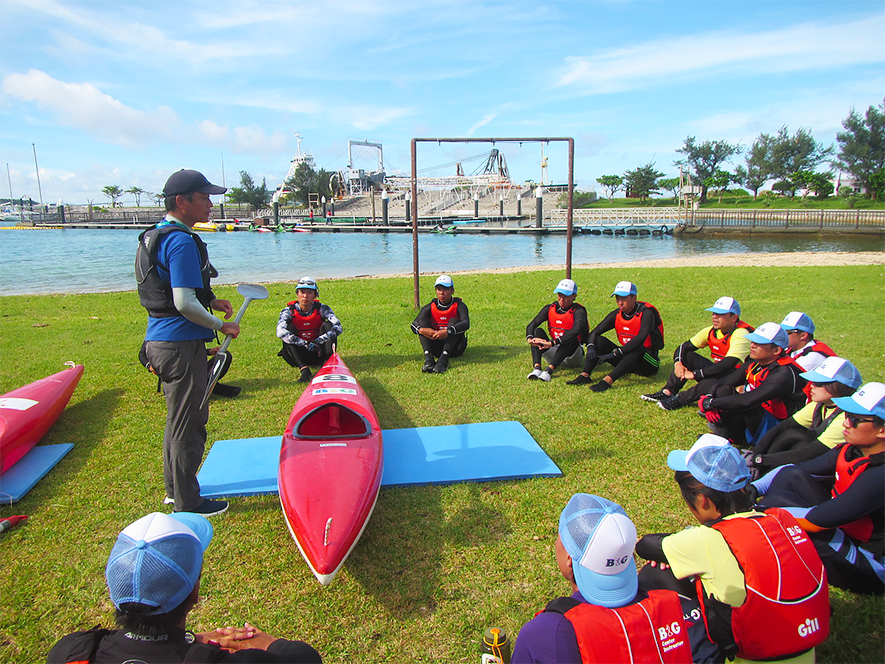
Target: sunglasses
x,y
855,420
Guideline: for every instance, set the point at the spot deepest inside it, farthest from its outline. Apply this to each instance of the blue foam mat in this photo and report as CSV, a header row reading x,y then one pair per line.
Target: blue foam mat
x,y
479,452
30,469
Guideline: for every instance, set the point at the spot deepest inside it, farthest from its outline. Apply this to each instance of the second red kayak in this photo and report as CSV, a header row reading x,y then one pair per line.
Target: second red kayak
x,y
26,414
331,462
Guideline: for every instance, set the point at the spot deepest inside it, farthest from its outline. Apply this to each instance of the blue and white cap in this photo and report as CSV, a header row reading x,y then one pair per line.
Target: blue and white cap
x,y
600,539
445,281
156,561
566,287
625,288
770,333
796,320
713,462
834,369
726,305
307,283
868,400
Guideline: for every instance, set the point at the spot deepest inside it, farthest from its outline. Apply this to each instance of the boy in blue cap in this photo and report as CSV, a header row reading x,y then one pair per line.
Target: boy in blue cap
x,y
640,333
759,575
804,348
153,576
567,322
442,326
750,400
607,618
846,522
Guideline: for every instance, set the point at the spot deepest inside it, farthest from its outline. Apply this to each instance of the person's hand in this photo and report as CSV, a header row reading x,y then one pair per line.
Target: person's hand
x,y
679,369
231,328
238,638
426,332
655,563
688,375
224,306
441,334
312,347
608,357
591,352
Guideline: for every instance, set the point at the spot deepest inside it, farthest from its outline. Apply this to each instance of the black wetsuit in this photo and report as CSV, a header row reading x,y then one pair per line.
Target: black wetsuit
x,y
565,345
634,356
453,345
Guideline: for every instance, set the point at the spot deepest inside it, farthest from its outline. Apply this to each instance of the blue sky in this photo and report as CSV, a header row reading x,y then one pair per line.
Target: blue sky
x,y
124,92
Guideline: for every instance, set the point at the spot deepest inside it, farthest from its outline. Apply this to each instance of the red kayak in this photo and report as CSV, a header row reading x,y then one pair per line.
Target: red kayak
x,y
330,468
27,413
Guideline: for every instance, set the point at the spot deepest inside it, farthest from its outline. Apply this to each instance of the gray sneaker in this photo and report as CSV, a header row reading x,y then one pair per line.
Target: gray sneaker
x,y
535,375
545,376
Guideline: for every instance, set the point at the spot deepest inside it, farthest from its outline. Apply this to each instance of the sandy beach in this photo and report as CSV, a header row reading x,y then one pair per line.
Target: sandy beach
x,y
790,259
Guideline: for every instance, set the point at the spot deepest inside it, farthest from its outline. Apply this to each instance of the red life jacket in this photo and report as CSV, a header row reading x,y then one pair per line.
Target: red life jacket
x,y
757,374
787,609
719,347
627,328
307,326
651,630
846,472
561,322
444,317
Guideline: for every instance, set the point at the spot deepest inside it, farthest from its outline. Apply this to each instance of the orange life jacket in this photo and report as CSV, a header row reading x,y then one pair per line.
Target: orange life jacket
x,y
628,328
443,317
306,326
719,347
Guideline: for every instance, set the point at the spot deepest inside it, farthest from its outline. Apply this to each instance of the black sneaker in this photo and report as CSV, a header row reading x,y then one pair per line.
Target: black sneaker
x,y
670,403
428,366
305,375
211,507
658,396
601,386
441,365
580,379
229,391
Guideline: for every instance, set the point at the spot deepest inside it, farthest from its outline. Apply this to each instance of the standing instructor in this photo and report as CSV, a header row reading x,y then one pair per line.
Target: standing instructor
x,y
173,272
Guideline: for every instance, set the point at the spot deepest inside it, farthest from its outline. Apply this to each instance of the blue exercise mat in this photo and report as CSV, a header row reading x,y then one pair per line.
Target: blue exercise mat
x,y
29,470
428,455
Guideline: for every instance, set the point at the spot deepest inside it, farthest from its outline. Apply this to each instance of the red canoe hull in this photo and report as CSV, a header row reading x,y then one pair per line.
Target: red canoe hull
x,y
331,462
26,414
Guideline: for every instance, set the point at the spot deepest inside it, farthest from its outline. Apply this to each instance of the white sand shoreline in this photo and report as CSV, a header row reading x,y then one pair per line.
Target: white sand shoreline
x,y
786,259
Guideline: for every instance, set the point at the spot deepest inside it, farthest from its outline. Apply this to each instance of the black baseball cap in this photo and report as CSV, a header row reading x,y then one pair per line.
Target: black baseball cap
x,y
187,181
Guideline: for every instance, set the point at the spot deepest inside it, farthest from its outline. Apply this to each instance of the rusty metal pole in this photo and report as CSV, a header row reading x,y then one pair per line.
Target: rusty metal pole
x,y
415,224
571,207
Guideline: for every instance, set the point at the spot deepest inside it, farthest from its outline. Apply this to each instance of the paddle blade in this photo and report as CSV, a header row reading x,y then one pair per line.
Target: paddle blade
x,y
215,372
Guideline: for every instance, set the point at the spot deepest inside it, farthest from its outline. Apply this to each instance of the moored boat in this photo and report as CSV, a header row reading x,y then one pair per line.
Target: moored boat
x,y
27,413
331,462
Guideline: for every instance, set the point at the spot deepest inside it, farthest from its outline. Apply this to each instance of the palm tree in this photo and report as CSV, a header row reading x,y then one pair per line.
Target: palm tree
x,y
137,192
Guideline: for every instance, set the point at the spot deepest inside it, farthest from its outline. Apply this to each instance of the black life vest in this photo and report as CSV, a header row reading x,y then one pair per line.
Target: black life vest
x,y
83,646
650,630
154,293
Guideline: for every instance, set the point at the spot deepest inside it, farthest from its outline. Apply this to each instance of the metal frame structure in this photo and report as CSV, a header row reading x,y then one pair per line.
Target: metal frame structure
x,y
414,202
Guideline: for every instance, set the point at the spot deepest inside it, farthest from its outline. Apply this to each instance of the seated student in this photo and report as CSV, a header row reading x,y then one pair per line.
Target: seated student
x,y
753,398
726,337
807,352
308,329
846,522
764,589
816,428
640,332
153,575
442,326
567,322
607,618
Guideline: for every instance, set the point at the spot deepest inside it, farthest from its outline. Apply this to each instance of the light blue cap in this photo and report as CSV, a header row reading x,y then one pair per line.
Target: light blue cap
x,y
625,288
566,287
770,333
445,281
600,539
868,400
726,305
834,369
713,462
796,320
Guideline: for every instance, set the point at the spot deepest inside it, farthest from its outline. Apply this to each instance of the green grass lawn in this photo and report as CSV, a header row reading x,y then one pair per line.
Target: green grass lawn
x,y
436,564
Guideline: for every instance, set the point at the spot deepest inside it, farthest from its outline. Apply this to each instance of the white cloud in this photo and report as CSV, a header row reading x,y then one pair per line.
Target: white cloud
x,y
485,120
85,107
662,61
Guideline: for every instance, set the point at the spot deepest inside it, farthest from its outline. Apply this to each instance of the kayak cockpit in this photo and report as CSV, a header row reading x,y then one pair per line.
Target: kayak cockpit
x,y
332,420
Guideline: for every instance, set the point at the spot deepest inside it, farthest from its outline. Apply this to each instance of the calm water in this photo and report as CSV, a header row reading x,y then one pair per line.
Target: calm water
x,y
90,261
